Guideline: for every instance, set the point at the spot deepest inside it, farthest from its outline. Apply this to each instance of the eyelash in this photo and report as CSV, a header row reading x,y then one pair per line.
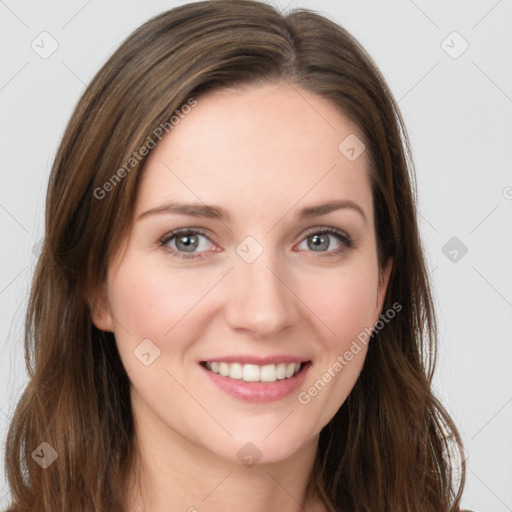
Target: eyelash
x,y
346,241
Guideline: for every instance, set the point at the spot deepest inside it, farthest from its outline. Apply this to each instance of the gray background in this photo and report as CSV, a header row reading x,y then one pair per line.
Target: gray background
x,y
457,107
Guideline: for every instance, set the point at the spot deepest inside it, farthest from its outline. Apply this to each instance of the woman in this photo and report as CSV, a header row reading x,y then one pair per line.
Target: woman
x,y
231,307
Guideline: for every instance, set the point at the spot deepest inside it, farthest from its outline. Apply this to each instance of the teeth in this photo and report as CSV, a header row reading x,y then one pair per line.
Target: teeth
x,y
235,371
253,372
281,371
224,369
290,369
268,373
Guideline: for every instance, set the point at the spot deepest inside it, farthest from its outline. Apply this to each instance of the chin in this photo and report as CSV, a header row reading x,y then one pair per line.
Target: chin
x,y
255,447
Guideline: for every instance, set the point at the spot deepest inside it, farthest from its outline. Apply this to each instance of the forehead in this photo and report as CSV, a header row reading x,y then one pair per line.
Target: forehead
x,y
269,145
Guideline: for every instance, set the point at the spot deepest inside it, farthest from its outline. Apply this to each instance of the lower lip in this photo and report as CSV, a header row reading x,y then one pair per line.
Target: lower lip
x,y
258,392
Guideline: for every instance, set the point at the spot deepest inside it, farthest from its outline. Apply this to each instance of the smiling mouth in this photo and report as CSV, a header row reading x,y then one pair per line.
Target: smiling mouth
x,y
254,372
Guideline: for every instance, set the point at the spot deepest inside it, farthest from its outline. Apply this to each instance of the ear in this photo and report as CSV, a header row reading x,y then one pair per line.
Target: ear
x,y
100,309
382,286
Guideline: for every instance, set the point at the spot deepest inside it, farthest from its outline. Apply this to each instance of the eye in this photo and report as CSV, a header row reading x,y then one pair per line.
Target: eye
x,y
320,240
188,243
185,243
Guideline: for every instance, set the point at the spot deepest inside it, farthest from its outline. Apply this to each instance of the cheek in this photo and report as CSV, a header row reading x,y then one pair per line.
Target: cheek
x,y
333,377
345,301
149,302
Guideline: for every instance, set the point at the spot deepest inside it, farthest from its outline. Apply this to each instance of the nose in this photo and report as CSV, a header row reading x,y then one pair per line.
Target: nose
x,y
260,299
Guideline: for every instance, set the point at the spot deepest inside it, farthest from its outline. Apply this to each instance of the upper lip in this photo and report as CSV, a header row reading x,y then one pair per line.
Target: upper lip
x,y
258,360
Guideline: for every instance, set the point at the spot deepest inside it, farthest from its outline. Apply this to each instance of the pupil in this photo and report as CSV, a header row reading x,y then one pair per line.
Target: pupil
x,y
188,243
320,241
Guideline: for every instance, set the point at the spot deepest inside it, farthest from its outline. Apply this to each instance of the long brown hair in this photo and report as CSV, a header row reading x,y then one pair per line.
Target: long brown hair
x,y
388,446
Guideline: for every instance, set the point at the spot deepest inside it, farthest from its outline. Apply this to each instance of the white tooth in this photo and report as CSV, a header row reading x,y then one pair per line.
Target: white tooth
x,y
235,371
290,368
281,371
268,373
224,369
251,373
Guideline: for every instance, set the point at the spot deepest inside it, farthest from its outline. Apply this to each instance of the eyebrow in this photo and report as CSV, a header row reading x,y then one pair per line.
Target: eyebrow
x,y
216,212
331,206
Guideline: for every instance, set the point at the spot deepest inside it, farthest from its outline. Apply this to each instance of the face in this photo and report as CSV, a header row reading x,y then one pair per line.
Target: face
x,y
250,270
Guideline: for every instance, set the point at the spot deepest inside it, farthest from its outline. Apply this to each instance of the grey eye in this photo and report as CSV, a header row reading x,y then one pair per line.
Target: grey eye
x,y
320,242
187,243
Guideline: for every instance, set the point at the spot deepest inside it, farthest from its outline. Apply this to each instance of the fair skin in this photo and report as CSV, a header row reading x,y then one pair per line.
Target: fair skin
x,y
262,154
